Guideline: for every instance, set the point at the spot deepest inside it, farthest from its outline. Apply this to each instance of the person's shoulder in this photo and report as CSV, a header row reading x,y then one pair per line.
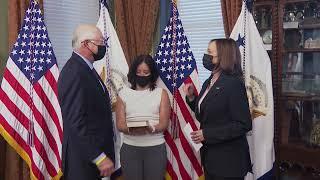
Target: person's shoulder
x,y
125,91
160,90
233,81
72,71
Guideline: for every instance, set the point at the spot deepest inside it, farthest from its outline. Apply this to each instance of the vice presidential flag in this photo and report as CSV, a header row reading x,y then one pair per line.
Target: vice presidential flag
x,y
258,79
30,115
177,67
113,70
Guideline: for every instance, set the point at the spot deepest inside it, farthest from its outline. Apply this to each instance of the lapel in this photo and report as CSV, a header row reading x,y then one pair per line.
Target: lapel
x,y
203,89
97,76
90,72
216,89
205,85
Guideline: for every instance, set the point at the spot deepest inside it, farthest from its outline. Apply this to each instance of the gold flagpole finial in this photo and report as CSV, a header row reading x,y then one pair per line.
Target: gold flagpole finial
x,y
175,2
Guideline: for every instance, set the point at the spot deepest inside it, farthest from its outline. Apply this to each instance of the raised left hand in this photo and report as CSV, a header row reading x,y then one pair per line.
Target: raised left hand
x,y
197,136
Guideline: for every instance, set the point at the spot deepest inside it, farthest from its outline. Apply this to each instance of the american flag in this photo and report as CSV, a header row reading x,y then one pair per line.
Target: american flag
x,y
177,67
30,115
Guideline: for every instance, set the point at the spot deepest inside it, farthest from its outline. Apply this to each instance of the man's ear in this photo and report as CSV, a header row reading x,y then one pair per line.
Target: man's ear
x,y
84,43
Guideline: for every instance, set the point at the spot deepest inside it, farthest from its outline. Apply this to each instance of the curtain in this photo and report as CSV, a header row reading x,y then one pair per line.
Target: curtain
x,y
230,12
12,167
136,23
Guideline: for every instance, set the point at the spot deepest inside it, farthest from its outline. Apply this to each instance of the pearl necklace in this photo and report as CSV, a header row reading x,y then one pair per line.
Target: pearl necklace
x,y
214,78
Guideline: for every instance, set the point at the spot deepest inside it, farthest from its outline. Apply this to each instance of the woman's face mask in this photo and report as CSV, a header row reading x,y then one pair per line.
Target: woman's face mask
x,y
143,81
207,62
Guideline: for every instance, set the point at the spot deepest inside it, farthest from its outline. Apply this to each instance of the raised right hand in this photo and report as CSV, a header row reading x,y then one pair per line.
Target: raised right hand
x,y
189,90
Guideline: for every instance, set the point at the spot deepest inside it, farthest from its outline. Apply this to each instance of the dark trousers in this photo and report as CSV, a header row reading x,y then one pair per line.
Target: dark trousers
x,y
87,172
213,177
143,163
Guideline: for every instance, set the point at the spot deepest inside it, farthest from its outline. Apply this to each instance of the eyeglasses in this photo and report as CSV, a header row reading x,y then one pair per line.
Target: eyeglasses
x,y
99,42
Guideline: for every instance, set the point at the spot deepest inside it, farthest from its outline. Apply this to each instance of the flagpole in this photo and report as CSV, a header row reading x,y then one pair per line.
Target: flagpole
x,y
105,36
175,123
30,139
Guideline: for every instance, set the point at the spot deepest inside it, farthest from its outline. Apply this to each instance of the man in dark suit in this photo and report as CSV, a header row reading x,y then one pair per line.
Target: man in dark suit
x,y
87,148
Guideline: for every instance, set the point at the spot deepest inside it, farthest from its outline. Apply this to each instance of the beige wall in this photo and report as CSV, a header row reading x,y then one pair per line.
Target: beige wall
x,y
3,34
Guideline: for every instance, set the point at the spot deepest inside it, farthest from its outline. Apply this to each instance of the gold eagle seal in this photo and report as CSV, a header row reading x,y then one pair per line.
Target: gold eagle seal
x,y
257,97
117,82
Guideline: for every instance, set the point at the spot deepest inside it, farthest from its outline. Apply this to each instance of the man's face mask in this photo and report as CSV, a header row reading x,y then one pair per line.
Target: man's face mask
x,y
101,52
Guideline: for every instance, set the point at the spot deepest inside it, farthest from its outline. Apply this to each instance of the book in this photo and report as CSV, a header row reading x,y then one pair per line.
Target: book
x,y
131,124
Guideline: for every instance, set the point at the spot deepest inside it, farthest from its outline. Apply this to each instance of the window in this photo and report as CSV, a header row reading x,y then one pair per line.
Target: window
x,y
202,21
62,17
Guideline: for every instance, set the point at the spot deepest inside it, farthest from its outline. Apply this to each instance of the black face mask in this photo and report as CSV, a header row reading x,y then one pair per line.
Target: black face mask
x,y
101,52
143,81
207,62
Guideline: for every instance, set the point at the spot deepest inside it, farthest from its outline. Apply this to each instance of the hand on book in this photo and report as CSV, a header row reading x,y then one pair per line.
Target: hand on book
x,y
151,128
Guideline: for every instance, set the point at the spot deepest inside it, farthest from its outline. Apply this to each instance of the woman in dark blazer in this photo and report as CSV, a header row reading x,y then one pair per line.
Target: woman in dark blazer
x,y
223,111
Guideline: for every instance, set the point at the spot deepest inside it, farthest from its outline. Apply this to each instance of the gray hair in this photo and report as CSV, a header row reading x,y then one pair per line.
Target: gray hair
x,y
83,32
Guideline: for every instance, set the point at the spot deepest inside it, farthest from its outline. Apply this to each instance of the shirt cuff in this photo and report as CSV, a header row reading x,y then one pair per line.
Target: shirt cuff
x,y
99,159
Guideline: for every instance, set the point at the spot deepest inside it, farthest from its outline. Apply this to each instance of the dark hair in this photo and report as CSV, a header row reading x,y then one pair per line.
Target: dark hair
x,y
133,70
229,58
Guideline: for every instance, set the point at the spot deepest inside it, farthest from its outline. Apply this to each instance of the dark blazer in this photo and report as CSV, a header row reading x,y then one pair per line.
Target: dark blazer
x,y
87,120
225,119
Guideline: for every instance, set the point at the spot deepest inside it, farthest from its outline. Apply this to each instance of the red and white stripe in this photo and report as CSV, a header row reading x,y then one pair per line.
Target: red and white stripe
x,y
183,162
16,112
